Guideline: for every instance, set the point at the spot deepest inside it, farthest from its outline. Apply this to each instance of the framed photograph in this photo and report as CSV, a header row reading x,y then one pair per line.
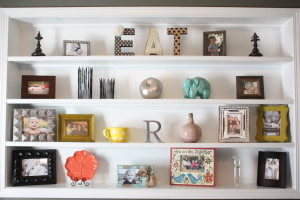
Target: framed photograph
x,y
128,175
234,124
193,166
272,123
250,87
33,167
38,87
76,128
34,125
77,48
214,43
271,170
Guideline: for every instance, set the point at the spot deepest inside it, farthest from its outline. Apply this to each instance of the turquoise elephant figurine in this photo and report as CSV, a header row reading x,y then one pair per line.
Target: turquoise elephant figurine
x,y
196,87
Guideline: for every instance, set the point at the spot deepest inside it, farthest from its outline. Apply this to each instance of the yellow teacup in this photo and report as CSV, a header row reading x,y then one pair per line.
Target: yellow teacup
x,y
117,134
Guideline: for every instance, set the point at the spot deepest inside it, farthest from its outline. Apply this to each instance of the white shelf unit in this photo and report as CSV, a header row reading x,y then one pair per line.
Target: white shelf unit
x,y
279,33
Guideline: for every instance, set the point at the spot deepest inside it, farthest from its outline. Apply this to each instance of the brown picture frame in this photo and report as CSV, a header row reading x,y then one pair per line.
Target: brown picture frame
x,y
30,78
64,119
256,91
220,41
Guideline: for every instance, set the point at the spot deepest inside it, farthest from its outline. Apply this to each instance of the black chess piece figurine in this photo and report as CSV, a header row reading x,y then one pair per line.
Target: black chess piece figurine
x,y
255,51
38,51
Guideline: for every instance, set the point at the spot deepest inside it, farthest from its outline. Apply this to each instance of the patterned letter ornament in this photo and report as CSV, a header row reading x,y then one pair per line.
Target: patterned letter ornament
x,y
177,32
123,43
153,44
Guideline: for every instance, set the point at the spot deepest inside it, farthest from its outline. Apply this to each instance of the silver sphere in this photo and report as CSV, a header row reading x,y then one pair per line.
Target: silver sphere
x,y
151,88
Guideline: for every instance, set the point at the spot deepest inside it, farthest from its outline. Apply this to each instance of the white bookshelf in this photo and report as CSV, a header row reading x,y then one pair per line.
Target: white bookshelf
x,y
278,30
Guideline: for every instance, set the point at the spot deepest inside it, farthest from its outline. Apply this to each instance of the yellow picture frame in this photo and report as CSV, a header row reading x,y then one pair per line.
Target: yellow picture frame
x,y
67,133
272,123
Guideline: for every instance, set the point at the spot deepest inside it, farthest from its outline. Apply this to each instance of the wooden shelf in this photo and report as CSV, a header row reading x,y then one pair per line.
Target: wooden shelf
x,y
109,145
154,61
65,190
147,102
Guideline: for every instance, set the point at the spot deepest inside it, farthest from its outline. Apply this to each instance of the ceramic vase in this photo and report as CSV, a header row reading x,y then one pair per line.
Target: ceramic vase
x,y
190,132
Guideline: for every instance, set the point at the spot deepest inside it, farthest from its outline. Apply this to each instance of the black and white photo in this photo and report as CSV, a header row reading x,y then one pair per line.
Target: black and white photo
x,y
35,167
76,48
271,123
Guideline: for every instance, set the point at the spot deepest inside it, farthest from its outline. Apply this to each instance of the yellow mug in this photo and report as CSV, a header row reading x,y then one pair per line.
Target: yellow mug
x,y
117,134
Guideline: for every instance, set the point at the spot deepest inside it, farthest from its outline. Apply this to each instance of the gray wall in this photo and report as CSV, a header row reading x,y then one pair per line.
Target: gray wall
x,y
204,3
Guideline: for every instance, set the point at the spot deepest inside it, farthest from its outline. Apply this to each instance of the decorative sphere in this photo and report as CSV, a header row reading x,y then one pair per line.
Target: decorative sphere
x,y
119,30
151,88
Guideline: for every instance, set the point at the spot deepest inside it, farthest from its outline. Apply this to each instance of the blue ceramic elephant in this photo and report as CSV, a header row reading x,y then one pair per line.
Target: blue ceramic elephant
x,y
196,87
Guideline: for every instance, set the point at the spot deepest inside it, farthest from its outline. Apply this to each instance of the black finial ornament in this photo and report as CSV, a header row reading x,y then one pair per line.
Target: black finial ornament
x,y
38,51
255,51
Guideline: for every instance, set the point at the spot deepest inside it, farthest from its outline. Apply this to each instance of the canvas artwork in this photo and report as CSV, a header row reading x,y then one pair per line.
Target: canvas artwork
x,y
193,166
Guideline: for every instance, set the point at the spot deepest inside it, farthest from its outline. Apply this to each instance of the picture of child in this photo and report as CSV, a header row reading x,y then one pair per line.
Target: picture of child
x,y
34,126
35,167
130,176
213,48
38,87
250,88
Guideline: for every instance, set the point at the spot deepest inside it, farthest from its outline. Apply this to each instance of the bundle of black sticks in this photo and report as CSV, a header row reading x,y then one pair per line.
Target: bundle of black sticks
x,y
85,83
107,88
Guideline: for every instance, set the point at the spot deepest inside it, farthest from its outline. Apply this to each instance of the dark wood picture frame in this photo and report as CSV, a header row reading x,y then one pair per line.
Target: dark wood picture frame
x,y
27,78
255,91
18,177
220,41
277,175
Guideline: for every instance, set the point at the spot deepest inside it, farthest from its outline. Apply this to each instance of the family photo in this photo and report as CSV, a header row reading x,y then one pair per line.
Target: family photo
x,y
272,169
234,123
35,167
192,163
271,123
76,128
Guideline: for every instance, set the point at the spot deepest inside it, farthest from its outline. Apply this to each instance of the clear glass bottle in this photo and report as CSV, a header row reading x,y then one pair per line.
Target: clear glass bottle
x,y
236,171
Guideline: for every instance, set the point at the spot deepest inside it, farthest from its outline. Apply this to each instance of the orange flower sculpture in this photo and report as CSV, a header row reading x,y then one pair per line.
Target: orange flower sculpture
x,y
81,166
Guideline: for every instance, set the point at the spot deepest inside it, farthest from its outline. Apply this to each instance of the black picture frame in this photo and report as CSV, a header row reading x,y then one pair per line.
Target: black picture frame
x,y
254,84
271,170
21,177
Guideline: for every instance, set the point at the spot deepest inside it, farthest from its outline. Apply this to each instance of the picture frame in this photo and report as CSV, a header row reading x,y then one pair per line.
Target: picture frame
x,y
234,124
34,125
128,175
38,87
33,167
214,43
271,171
272,123
77,48
76,128
193,167
250,87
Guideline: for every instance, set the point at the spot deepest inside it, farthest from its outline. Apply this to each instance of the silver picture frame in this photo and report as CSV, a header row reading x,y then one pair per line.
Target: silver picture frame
x,y
34,125
234,124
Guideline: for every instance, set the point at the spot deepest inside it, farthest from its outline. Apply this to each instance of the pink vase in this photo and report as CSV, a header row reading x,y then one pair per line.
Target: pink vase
x,y
190,132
